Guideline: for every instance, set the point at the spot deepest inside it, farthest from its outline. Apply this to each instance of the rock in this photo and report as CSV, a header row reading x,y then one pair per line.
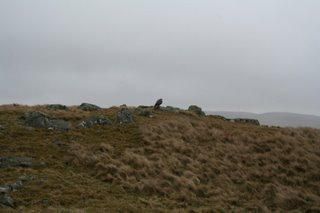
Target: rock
x,y
6,162
144,107
5,198
37,119
124,116
88,107
59,125
57,107
4,189
218,117
95,120
42,120
2,128
17,185
25,178
197,110
246,121
146,113
170,109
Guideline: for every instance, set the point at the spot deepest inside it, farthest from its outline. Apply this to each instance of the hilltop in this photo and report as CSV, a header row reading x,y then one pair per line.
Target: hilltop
x,y
136,159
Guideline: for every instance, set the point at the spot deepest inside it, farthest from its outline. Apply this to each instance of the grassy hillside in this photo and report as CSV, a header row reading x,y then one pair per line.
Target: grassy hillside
x,y
170,162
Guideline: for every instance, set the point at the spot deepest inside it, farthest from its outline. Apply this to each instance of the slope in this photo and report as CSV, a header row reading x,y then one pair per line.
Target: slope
x,y
170,162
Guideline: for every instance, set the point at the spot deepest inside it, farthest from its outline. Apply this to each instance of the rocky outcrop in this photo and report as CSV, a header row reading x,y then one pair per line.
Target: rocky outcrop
x,y
36,119
59,125
170,109
88,107
5,198
7,162
124,116
197,110
57,107
42,120
144,111
5,190
144,107
95,120
246,121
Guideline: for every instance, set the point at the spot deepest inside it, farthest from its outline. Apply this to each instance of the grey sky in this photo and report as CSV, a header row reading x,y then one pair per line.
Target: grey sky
x,y
244,55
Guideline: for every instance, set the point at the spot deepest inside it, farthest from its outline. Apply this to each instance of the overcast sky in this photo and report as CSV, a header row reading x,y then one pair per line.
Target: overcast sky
x,y
240,55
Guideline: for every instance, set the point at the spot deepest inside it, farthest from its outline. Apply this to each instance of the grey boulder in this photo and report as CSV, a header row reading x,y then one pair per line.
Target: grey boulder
x,y
88,107
95,120
170,109
42,120
5,198
59,125
36,119
7,162
57,107
246,121
197,110
124,116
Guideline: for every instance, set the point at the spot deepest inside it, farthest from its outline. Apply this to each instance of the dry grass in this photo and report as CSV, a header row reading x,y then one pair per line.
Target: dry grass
x,y
173,162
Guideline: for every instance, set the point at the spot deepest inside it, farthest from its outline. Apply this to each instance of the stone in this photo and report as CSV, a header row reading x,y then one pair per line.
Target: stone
x,y
7,162
218,117
124,116
16,185
144,107
59,125
42,120
88,107
57,107
145,113
246,121
36,119
170,109
95,120
1,127
25,178
5,198
197,110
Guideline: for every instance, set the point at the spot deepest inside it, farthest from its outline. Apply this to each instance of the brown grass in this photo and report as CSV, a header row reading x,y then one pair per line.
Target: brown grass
x,y
173,162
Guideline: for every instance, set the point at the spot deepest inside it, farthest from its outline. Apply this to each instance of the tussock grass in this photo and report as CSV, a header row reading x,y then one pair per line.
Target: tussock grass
x,y
173,162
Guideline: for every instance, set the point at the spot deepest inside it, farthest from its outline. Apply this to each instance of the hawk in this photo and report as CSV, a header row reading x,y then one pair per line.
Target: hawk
x,y
158,103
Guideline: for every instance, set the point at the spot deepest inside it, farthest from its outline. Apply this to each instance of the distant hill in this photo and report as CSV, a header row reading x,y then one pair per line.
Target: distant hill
x,y
283,119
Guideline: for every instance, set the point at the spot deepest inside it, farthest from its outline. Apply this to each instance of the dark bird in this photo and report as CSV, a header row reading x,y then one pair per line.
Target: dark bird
x,y
158,103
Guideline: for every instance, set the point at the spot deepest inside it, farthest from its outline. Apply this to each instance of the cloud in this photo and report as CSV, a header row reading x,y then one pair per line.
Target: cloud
x,y
251,55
